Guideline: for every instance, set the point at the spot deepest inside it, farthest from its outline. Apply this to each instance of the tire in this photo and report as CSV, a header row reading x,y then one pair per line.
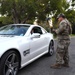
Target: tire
x,y
9,63
51,48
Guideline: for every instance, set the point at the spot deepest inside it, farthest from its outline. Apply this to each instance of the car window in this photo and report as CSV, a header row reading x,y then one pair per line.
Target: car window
x,y
44,31
18,30
37,30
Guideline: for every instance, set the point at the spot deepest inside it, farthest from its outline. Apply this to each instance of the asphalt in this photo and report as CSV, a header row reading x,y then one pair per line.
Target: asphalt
x,y
42,65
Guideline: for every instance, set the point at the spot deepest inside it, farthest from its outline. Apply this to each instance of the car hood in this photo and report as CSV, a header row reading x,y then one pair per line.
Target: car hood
x,y
8,42
9,38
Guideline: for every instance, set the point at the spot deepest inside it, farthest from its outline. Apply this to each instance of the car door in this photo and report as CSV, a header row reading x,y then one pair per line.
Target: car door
x,y
38,45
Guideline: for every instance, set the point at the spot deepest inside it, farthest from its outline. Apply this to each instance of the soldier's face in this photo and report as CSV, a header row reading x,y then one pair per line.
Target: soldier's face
x,y
60,19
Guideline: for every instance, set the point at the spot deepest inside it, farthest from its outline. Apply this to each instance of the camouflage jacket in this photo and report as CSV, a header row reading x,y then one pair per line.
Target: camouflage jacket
x,y
64,30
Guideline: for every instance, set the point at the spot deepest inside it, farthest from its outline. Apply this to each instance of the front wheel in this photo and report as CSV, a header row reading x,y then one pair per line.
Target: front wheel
x,y
9,63
51,48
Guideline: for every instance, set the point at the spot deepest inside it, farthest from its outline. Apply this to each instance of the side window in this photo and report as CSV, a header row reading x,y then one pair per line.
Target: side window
x,y
37,30
32,31
44,31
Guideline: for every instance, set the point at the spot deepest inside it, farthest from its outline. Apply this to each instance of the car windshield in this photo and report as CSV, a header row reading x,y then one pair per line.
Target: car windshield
x,y
18,30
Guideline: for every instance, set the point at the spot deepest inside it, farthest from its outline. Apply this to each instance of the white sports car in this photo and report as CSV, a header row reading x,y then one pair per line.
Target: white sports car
x,y
20,44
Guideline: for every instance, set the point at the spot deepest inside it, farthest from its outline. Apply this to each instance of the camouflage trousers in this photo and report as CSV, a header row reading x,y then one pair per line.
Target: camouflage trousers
x,y
62,54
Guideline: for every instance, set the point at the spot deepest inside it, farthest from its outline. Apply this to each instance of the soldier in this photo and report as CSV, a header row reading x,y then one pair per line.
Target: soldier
x,y
63,31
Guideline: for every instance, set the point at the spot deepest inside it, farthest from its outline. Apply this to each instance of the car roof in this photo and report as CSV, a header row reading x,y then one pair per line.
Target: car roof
x,y
26,25
21,24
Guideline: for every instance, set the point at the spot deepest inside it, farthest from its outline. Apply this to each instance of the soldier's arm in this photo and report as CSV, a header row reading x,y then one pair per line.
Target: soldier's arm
x,y
70,30
61,28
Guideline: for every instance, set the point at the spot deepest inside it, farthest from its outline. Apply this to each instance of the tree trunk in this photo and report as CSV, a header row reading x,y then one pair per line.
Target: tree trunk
x,y
15,13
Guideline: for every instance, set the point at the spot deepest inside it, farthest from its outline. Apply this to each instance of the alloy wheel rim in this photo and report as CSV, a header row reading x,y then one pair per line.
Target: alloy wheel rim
x,y
51,48
11,65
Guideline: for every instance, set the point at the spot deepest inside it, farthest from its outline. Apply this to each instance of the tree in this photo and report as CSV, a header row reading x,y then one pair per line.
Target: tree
x,y
73,3
23,11
50,7
19,10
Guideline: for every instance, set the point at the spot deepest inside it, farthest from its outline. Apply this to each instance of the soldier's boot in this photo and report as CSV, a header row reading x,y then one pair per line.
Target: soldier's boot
x,y
56,66
65,64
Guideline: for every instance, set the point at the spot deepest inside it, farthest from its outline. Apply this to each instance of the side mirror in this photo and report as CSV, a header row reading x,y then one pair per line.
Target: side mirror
x,y
35,35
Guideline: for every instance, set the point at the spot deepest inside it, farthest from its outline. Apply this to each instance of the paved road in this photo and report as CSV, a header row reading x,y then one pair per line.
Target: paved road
x,y
42,65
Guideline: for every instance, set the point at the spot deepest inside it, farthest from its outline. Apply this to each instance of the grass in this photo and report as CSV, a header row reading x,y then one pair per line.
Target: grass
x,y
72,35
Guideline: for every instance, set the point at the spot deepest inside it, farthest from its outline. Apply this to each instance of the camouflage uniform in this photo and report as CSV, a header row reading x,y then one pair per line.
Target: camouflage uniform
x,y
63,41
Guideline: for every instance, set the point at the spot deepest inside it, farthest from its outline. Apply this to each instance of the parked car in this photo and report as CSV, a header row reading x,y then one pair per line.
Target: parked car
x,y
20,46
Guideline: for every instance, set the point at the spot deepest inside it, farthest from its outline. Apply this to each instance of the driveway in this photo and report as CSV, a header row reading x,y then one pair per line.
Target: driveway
x,y
41,66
